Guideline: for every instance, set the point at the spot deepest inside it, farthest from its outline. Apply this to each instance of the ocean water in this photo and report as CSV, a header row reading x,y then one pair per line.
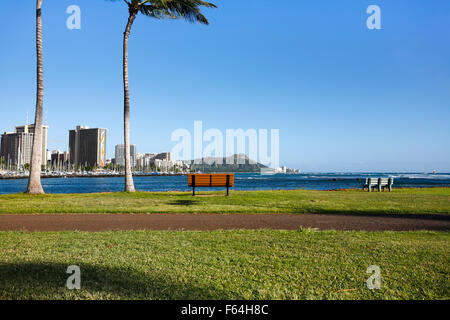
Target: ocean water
x,y
243,181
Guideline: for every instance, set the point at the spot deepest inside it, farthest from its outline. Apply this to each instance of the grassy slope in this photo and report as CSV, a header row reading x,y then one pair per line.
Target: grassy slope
x,y
301,264
401,201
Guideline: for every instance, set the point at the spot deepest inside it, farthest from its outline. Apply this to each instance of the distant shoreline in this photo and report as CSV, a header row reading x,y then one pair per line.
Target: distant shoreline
x,y
93,176
4,177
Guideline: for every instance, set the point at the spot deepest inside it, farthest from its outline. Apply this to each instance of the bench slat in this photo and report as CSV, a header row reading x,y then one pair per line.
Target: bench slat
x,y
211,180
379,182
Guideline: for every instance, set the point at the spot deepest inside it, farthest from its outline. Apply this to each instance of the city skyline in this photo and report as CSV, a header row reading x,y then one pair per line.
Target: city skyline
x,y
48,154
317,74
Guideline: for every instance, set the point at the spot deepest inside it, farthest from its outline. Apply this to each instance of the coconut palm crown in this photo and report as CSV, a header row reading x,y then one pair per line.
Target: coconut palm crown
x,y
173,9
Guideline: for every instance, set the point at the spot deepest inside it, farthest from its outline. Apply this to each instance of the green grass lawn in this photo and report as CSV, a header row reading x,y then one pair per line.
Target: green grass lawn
x,y
302,264
400,201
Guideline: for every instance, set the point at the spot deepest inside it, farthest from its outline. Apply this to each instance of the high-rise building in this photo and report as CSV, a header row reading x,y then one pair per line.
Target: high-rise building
x,y
16,147
145,160
150,159
120,154
59,158
49,157
87,146
165,156
4,145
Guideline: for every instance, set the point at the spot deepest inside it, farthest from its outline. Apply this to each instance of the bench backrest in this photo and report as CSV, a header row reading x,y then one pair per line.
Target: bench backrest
x,y
384,181
211,180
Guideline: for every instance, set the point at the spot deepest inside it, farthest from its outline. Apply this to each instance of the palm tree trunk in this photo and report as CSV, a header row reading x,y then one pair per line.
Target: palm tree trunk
x,y
129,185
34,181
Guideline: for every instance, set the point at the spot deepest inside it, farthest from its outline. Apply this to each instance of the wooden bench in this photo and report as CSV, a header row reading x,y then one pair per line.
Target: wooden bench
x,y
380,183
213,180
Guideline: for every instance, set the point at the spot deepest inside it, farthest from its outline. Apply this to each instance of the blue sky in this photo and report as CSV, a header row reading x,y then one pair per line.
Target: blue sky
x,y
345,98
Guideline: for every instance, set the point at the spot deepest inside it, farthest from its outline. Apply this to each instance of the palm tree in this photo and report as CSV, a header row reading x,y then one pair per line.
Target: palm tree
x,y
159,9
34,180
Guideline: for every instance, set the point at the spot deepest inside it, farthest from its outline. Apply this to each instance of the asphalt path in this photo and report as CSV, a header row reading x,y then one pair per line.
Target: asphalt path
x,y
204,222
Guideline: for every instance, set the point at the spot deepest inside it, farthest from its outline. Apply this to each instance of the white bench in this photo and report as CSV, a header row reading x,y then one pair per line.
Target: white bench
x,y
380,183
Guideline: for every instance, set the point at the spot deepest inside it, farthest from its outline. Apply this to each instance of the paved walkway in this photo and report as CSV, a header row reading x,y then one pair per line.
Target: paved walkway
x,y
106,222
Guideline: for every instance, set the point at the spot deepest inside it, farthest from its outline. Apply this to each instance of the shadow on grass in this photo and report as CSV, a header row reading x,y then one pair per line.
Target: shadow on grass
x,y
47,280
381,214
184,202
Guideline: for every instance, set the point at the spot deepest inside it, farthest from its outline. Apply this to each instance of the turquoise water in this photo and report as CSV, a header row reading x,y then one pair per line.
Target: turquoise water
x,y
243,181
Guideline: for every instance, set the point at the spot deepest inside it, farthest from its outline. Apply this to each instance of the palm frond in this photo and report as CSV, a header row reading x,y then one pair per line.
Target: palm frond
x,y
154,12
188,10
